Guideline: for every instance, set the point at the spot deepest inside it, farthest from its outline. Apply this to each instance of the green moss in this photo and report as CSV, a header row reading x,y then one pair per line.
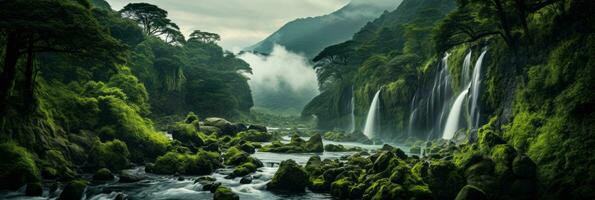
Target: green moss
x,y
17,167
224,193
73,190
201,163
255,136
244,169
289,177
112,155
341,188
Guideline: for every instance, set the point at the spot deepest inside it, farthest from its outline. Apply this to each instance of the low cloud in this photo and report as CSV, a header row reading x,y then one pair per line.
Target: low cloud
x,y
283,81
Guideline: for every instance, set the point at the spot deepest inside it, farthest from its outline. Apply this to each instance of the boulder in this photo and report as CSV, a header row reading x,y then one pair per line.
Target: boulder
x,y
187,134
255,136
289,177
103,174
210,130
226,127
211,186
128,177
75,190
34,189
341,188
246,180
224,193
314,144
470,192
334,148
259,128
383,160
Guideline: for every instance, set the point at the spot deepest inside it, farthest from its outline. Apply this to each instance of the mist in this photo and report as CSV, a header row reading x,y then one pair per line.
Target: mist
x,y
282,82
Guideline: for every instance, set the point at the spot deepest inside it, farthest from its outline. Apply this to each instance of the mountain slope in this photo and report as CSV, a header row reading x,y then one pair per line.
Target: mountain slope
x,y
310,35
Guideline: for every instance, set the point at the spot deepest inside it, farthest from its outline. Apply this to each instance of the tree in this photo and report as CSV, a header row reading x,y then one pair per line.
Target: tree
x,y
204,37
154,21
35,26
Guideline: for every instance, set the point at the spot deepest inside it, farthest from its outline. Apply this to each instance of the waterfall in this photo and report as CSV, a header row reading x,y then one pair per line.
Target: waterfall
x,y
452,122
475,86
371,127
472,86
352,117
466,65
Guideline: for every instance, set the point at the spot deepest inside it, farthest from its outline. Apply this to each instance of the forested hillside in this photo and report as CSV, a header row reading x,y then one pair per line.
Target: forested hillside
x,y
535,83
81,84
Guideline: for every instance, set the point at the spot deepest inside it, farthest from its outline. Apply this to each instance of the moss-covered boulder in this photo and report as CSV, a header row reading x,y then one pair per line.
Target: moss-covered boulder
x,y
103,174
113,155
17,167
226,127
187,134
470,192
201,163
341,188
235,156
314,144
255,136
75,190
224,193
383,160
289,177
259,128
340,148
444,179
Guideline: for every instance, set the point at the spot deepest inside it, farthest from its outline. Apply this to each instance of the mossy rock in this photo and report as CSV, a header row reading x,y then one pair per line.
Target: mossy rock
x,y
235,156
248,148
17,167
420,192
318,185
224,193
341,188
334,148
113,155
415,150
485,167
289,177
201,163
244,169
255,136
383,160
488,139
103,174
470,192
187,134
314,144
313,165
75,190
444,179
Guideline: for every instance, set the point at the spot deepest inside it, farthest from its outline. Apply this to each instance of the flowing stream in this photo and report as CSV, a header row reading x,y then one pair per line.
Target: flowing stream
x,y
170,187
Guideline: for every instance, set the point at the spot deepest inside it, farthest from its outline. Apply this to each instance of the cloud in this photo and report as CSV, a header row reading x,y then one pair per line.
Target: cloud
x,y
239,22
282,81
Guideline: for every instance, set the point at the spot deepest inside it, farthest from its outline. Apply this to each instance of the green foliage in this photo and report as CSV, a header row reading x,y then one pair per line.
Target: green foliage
x,y
112,155
17,167
201,163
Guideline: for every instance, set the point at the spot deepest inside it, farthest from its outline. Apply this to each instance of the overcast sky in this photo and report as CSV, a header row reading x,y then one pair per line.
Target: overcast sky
x,y
240,23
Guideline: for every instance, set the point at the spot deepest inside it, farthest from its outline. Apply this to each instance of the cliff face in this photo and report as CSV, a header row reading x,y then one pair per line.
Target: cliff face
x,y
535,83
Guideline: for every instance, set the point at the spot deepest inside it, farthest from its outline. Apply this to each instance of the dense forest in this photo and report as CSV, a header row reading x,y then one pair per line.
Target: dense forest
x,y
436,99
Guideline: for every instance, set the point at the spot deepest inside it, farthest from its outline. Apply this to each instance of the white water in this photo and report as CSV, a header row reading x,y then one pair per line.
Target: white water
x,y
352,117
452,122
472,87
475,86
372,119
466,67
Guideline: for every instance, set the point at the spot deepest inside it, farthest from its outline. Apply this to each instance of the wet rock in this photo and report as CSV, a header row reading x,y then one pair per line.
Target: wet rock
x,y
121,196
103,174
255,136
34,189
224,193
210,130
211,186
246,180
248,148
383,161
289,177
181,178
341,188
314,144
205,179
75,190
259,128
127,177
470,192
226,127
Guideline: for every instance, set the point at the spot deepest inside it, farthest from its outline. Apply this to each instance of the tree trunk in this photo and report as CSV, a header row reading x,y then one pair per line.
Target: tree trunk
x,y
29,87
504,23
11,56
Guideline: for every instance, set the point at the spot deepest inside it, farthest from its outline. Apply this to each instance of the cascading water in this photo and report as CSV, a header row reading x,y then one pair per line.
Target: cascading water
x,y
475,86
371,127
452,122
429,106
352,117
466,67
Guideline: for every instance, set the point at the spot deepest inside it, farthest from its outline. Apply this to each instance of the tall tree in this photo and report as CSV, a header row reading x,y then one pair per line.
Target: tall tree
x,y
61,26
204,37
153,20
